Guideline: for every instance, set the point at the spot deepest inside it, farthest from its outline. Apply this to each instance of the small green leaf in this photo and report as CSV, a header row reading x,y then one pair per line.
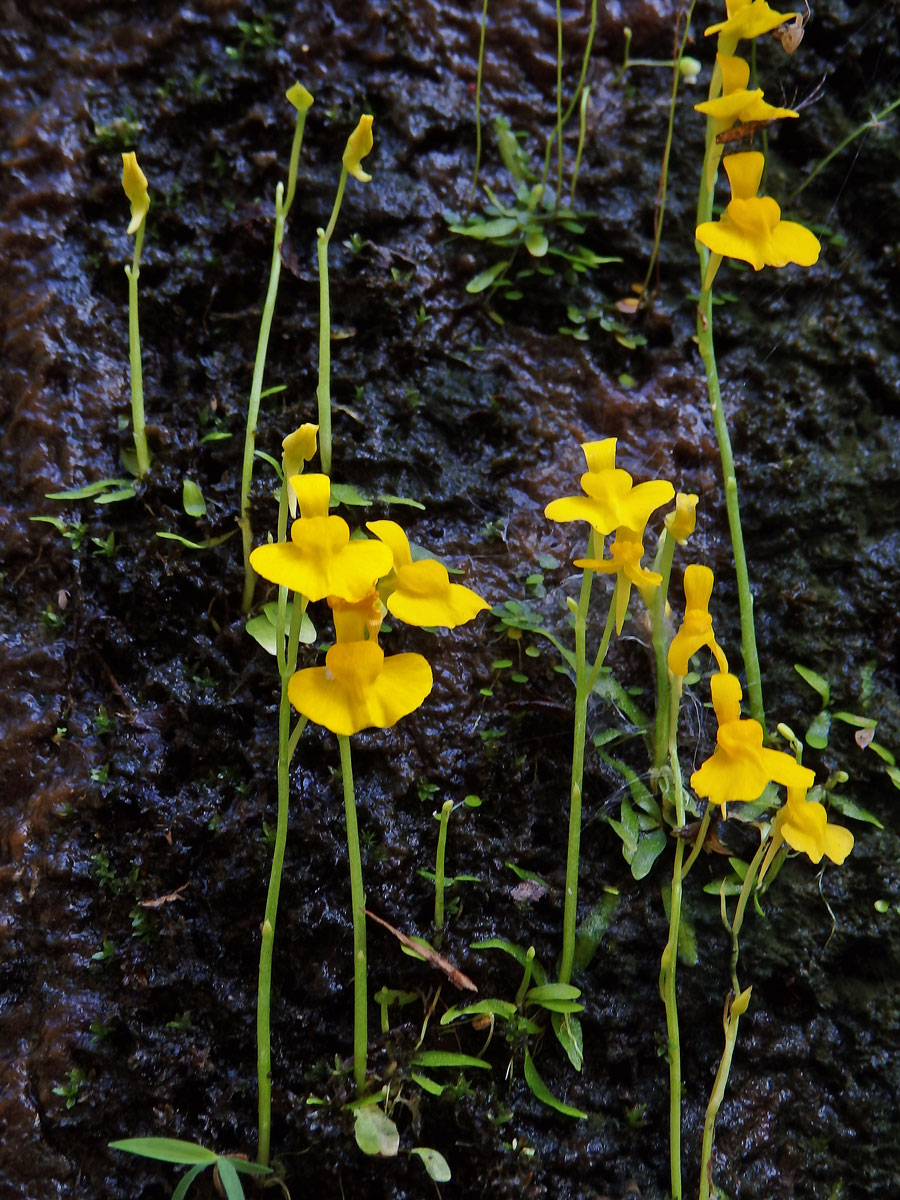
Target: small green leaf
x,y
124,493
375,1133
217,435
206,544
57,522
816,682
567,1028
192,499
894,775
171,1150
184,1183
388,498
499,227
501,944
552,991
817,734
484,279
536,243
428,1085
435,1164
90,489
849,808
497,1008
543,1093
649,848
345,493
448,1058
883,753
855,720
273,463
234,1189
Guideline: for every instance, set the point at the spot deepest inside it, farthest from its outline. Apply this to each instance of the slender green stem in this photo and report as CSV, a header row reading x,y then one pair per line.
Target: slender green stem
x,y
582,131
873,122
736,1008
358,903
478,82
577,99
526,977
665,552
668,966
286,744
439,860
660,210
732,504
134,354
559,145
323,389
698,841
282,208
584,683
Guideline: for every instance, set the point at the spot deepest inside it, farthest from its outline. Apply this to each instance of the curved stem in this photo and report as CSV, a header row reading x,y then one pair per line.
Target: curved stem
x,y
663,566
358,903
478,81
439,863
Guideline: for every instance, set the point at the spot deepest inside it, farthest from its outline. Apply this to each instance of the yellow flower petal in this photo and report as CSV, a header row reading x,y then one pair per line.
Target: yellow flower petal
x,y
600,456
358,688
299,97
392,535
748,19
134,182
313,494
744,173
793,243
298,447
725,239
424,595
681,523
359,144
320,560
697,631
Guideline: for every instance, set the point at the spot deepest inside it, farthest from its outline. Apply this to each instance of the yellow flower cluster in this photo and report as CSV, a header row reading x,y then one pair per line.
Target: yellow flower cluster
x,y
751,229
362,579
741,767
612,502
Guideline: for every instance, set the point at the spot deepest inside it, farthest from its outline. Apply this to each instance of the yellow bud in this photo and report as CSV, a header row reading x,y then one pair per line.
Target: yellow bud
x,y
359,144
134,181
299,97
740,1003
683,521
297,448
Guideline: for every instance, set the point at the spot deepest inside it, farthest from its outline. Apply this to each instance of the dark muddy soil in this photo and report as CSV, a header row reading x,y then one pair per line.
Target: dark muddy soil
x,y
139,719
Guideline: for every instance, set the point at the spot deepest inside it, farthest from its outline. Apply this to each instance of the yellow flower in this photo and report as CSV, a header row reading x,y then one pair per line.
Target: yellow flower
x,y
299,97
626,553
737,103
359,144
803,824
296,449
740,767
748,19
420,593
320,560
681,523
696,628
751,228
358,687
611,499
134,182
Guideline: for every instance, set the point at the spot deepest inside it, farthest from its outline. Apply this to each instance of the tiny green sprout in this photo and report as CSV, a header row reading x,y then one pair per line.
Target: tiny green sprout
x,y
103,722
636,1116
425,790
100,774
106,953
70,1089
99,1031
355,244
182,1023
422,317
106,547
439,863
53,620
142,925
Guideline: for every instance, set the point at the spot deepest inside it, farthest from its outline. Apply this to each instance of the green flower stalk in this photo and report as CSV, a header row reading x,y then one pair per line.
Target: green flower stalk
x,y
301,99
134,183
359,144
358,907
439,865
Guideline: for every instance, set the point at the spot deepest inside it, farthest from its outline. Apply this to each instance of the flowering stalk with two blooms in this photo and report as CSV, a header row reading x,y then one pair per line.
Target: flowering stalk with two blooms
x,y
359,687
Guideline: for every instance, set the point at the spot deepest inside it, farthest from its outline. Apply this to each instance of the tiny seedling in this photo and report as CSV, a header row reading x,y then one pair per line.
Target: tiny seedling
x,y
188,1154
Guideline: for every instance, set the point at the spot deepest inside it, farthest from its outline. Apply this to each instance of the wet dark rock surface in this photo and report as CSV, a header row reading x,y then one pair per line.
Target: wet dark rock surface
x,y
480,423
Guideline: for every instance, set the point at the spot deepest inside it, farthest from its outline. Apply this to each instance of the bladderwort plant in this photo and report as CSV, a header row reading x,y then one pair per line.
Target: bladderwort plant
x,y
363,580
